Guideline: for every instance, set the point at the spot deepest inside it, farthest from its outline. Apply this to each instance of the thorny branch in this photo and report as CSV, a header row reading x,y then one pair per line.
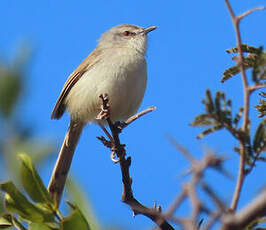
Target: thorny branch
x,y
247,90
229,220
189,191
119,149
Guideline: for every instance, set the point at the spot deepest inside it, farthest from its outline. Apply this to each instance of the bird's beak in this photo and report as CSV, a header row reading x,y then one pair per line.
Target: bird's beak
x,y
149,29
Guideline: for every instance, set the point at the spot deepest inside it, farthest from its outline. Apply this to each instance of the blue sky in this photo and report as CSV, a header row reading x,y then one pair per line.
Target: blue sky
x,y
186,56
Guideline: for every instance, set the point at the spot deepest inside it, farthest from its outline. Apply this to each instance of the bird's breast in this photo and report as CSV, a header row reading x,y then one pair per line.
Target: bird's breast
x,y
121,74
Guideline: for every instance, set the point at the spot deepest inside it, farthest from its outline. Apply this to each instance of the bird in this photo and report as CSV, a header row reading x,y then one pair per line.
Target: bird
x,y
116,67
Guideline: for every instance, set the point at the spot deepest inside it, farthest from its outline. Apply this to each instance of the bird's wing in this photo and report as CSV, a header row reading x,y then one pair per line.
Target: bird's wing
x,y
84,66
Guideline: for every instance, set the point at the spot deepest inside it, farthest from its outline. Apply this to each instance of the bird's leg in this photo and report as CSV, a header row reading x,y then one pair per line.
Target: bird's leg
x,y
104,114
110,143
106,132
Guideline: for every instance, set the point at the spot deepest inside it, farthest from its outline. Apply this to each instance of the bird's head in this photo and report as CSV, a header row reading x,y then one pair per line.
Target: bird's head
x,y
128,36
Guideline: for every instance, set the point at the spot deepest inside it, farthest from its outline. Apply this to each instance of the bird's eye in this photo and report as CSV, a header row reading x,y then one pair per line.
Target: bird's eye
x,y
128,33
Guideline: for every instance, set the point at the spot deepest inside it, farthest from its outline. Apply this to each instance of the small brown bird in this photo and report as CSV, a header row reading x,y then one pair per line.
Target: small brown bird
x,y
117,67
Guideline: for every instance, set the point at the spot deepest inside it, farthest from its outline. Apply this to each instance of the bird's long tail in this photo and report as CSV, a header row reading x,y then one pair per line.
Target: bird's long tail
x,y
63,163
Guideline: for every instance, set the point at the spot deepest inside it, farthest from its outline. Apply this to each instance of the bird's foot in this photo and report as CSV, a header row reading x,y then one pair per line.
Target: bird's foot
x,y
104,114
113,157
105,108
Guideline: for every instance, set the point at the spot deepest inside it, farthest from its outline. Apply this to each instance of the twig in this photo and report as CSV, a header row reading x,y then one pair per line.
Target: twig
x,y
176,203
138,115
213,196
246,90
181,149
189,191
256,87
127,195
251,11
213,219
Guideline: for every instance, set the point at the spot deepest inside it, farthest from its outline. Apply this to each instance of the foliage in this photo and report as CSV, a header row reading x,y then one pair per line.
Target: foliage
x,y
218,115
10,89
255,59
16,210
261,107
41,212
218,112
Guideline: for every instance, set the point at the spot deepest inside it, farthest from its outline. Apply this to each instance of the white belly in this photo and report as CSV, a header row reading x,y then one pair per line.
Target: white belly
x,y
123,78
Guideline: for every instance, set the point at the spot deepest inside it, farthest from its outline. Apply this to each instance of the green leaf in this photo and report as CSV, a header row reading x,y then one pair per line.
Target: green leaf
x,y
218,114
261,108
75,220
259,67
201,120
209,131
5,221
234,70
230,72
10,88
238,116
217,102
256,59
209,103
259,142
76,193
16,202
32,182
245,48
39,226
2,207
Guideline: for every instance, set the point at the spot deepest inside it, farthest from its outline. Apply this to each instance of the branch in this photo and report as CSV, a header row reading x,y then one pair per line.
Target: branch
x,y
254,210
119,149
189,191
256,87
246,91
250,11
137,116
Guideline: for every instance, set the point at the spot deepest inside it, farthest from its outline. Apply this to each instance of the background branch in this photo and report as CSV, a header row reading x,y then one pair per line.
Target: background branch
x,y
254,210
246,91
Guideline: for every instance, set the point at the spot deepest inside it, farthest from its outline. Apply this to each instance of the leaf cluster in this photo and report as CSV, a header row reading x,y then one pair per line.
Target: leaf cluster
x,y
218,115
218,110
261,107
255,59
35,209
40,212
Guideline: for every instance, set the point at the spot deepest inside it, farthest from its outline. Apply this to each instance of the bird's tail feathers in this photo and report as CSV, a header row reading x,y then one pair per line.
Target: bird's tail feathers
x,y
63,163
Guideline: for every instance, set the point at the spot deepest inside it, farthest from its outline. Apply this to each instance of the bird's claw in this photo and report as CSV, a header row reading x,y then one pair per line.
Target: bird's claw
x,y
104,114
112,156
